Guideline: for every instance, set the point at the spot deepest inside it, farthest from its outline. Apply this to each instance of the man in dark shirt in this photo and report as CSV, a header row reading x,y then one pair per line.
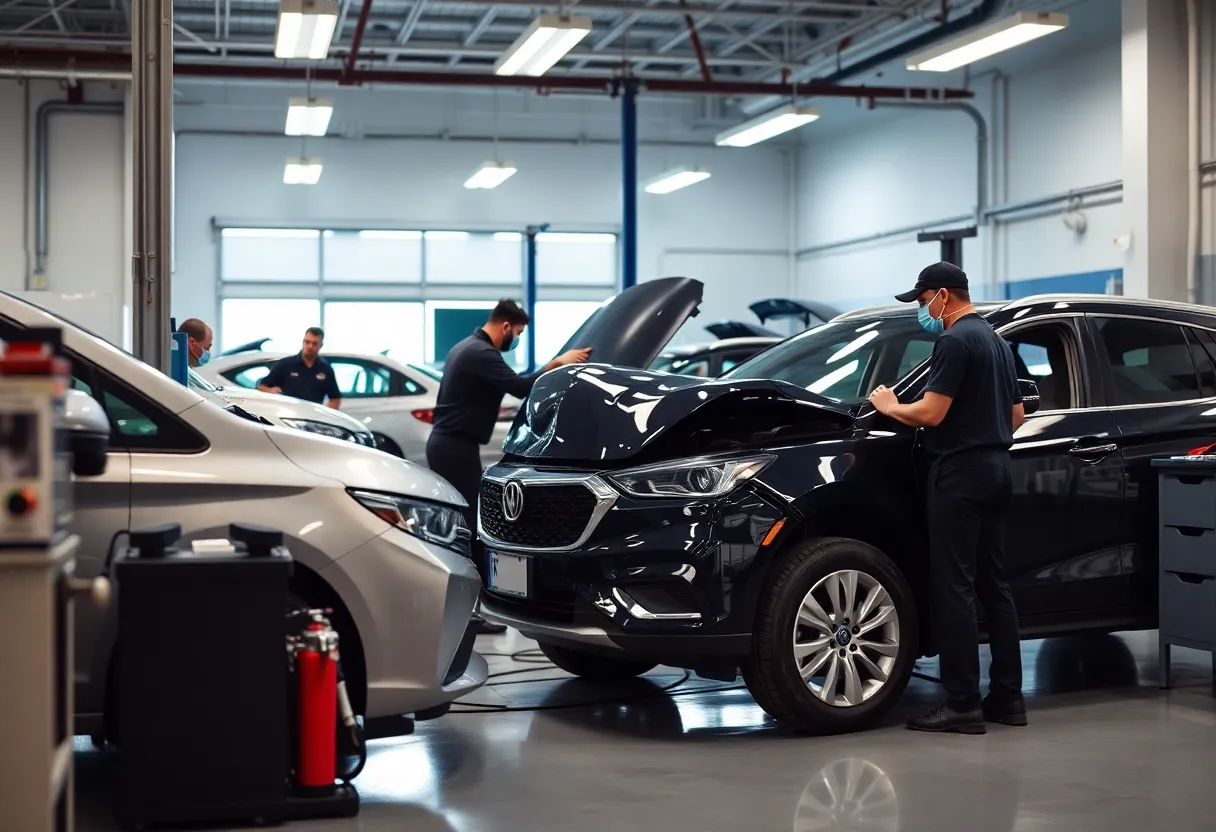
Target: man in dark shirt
x,y
305,375
970,410
475,379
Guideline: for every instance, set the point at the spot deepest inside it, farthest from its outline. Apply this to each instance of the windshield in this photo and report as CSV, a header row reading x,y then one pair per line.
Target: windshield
x,y
845,360
200,383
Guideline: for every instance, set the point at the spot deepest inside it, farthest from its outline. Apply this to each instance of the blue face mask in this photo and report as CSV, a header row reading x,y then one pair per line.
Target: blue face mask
x,y
932,325
204,358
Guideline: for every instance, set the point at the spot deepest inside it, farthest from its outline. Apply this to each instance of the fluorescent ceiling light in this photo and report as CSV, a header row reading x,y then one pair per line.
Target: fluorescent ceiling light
x,y
542,44
582,237
988,40
305,28
675,179
490,175
302,171
390,235
308,116
773,123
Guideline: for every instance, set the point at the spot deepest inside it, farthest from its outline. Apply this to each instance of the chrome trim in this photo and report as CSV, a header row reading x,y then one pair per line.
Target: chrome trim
x,y
548,631
605,498
636,610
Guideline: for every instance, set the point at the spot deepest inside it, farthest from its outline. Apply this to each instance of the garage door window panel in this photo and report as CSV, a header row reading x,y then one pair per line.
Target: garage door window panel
x,y
1151,362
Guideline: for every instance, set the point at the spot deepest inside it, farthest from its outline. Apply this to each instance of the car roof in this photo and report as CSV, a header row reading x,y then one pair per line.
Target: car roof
x,y
724,343
1090,300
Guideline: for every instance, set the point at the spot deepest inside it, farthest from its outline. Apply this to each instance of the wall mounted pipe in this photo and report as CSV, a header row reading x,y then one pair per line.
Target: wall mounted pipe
x,y
1194,237
981,144
42,142
72,76
994,212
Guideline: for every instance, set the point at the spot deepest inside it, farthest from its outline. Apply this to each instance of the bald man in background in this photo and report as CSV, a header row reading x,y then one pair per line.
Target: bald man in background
x,y
198,342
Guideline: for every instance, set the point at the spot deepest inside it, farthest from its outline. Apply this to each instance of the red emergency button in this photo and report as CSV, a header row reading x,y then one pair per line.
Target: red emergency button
x,y
22,501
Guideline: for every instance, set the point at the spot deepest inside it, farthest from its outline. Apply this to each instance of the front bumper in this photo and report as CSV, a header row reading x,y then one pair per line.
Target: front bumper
x,y
668,580
413,616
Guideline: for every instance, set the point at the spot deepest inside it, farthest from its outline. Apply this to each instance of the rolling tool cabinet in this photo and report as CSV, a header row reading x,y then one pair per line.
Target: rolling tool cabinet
x,y
1187,569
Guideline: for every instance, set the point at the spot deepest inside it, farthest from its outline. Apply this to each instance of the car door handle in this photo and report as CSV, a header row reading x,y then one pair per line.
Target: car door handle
x,y
1093,453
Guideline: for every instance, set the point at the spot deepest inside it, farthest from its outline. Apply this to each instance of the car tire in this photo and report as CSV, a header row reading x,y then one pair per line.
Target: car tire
x,y
591,666
838,693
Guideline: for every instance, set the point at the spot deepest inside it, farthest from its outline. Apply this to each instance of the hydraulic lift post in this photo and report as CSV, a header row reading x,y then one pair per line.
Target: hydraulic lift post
x,y
951,240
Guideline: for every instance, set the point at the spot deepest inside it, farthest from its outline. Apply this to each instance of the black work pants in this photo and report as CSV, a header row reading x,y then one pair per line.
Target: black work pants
x,y
968,500
458,460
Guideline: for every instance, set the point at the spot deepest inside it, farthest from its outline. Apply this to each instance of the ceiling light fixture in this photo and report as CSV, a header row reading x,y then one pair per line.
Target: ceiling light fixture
x,y
988,40
543,44
675,179
308,116
773,123
305,28
302,170
490,175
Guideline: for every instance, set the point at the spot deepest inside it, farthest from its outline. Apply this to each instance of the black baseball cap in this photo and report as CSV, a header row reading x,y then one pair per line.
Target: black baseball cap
x,y
938,276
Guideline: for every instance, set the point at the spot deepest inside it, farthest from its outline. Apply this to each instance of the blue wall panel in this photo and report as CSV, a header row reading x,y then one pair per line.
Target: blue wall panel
x,y
1083,283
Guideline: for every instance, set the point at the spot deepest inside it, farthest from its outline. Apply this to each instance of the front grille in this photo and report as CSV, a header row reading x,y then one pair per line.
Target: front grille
x,y
554,515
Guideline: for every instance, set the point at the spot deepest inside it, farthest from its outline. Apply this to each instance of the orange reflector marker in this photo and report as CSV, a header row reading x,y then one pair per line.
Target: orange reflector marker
x,y
773,532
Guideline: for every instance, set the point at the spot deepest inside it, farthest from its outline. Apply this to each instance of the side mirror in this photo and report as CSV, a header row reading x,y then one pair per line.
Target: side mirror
x,y
1029,391
88,432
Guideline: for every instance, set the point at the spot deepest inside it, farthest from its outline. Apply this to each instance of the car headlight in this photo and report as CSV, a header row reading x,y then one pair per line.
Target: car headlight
x,y
323,428
690,478
433,522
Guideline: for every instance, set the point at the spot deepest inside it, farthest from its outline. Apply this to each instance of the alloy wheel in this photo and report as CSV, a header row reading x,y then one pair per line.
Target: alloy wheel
x,y
846,638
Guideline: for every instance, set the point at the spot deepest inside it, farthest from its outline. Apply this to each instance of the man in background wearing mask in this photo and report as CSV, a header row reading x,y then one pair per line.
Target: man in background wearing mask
x,y
198,342
969,410
475,379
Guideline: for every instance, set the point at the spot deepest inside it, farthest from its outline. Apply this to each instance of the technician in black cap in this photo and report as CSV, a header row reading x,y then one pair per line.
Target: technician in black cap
x,y
970,409
475,379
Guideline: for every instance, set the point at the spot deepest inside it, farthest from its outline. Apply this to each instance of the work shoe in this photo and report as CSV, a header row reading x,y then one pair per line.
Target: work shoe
x,y
943,720
1005,711
487,628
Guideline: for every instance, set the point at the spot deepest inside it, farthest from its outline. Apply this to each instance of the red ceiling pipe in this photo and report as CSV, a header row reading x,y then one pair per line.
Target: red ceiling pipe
x,y
348,68
696,45
101,59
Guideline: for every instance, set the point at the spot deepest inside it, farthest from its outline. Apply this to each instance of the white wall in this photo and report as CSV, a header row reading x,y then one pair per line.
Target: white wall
x,y
87,260
417,182
876,171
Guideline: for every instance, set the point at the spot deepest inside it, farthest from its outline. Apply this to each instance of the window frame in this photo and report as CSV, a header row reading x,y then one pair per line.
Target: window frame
x,y
1080,390
1107,368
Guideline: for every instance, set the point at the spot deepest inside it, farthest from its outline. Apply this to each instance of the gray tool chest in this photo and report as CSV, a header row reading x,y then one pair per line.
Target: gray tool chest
x,y
1187,529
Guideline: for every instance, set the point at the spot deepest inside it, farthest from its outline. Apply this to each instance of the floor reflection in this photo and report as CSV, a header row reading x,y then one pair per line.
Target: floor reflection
x,y
849,795
1080,663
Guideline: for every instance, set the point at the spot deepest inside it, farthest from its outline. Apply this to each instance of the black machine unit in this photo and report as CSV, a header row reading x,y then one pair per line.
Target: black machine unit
x,y
201,684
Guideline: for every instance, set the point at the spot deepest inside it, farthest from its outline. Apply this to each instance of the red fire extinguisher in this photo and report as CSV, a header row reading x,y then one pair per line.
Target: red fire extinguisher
x,y
321,702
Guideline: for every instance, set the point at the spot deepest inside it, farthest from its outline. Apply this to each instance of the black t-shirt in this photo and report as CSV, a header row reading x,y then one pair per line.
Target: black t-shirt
x,y
297,379
475,378
974,367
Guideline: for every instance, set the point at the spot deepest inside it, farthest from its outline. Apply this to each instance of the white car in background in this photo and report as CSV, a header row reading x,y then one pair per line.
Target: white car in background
x,y
287,412
394,400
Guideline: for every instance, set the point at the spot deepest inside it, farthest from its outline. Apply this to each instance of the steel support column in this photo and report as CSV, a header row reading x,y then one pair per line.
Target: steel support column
x,y
152,155
530,288
629,182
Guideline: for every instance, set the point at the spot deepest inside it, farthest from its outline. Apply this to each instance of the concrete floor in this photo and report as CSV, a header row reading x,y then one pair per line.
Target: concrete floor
x,y
1106,750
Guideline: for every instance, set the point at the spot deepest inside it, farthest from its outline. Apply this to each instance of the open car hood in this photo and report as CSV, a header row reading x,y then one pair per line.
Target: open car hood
x,y
807,311
599,414
631,329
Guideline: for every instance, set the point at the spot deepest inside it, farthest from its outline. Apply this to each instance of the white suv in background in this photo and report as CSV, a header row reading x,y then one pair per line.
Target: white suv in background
x,y
395,401
287,412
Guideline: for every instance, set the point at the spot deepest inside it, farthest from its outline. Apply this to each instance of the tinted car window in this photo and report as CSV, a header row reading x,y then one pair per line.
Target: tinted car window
x,y
1150,360
844,360
1204,355
1041,355
358,379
